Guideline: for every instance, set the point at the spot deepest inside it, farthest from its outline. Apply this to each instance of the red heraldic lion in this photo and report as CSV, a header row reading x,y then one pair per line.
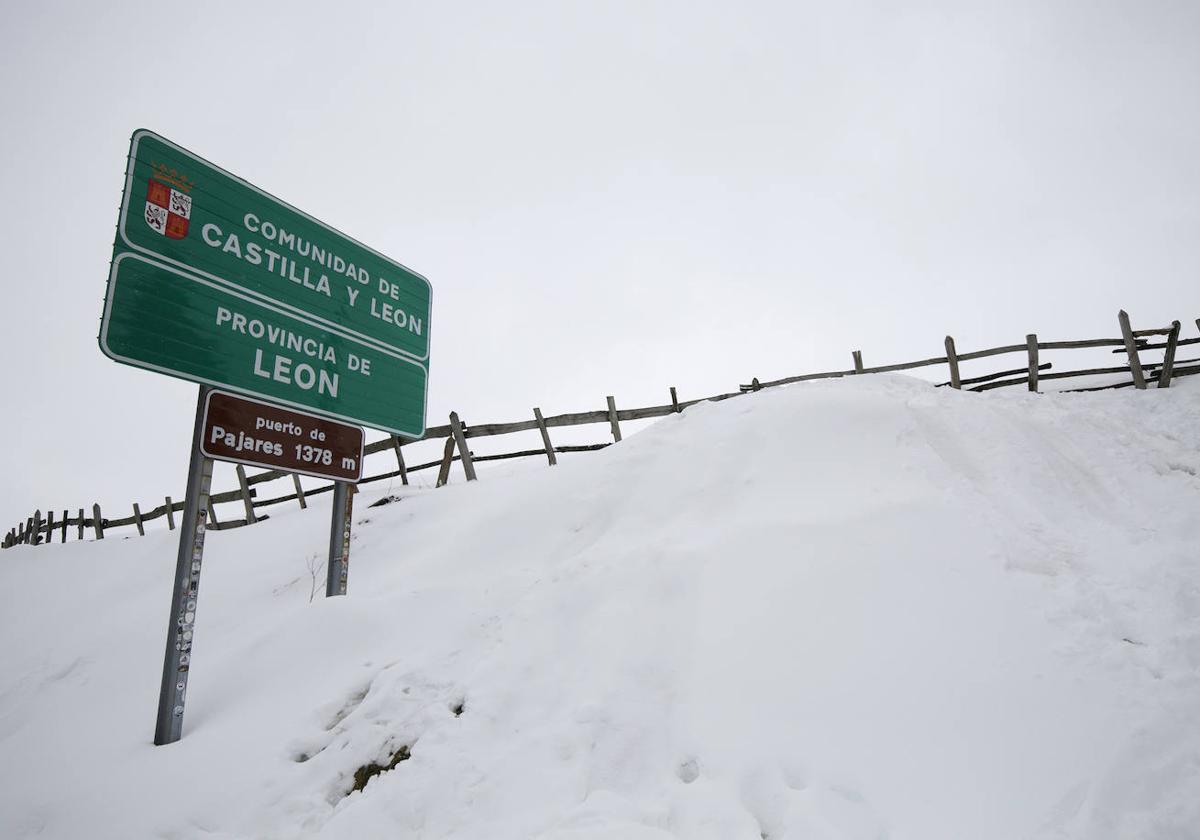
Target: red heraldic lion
x,y
168,209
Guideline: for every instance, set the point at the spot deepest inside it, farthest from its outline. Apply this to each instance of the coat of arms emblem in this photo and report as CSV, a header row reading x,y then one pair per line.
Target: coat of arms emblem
x,y
168,204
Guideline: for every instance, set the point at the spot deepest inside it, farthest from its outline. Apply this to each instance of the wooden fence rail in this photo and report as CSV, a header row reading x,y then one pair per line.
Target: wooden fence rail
x,y
38,529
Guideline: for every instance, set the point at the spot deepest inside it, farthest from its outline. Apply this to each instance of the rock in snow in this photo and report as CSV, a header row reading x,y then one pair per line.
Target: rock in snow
x,y
858,609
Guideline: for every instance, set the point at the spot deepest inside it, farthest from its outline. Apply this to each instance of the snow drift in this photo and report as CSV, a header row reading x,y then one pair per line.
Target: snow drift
x,y
866,608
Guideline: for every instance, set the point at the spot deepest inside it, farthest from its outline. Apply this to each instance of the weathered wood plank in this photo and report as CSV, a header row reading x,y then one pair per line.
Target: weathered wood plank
x,y
400,460
1183,342
299,491
1079,345
64,526
857,356
1061,375
49,527
491,429
1135,363
1178,372
227,496
541,424
447,460
244,488
235,523
97,521
952,360
274,475
581,418
137,520
81,524
464,453
1031,343
647,413
170,514
36,539
615,423
994,351
920,363
974,380
1168,365
675,401
789,380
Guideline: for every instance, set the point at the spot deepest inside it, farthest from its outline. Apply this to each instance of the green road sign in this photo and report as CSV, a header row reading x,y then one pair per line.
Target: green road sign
x,y
163,319
215,281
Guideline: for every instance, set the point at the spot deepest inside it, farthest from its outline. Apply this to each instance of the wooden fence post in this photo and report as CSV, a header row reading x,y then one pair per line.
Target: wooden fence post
x,y
1168,368
97,521
541,424
299,491
137,520
456,430
400,461
447,459
49,527
247,499
170,514
213,522
613,421
952,360
81,525
1031,346
675,401
64,526
858,365
36,531
1135,364
20,533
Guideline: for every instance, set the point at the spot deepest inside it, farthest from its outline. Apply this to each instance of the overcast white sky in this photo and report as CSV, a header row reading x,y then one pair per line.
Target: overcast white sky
x,y
608,198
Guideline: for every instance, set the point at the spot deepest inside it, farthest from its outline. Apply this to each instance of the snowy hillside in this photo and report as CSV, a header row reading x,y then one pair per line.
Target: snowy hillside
x,y
853,610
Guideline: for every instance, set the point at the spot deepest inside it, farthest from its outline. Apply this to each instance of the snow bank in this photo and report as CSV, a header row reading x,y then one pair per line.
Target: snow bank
x,y
859,609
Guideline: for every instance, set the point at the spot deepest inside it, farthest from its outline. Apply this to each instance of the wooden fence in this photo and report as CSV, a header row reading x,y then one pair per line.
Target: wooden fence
x,y
37,529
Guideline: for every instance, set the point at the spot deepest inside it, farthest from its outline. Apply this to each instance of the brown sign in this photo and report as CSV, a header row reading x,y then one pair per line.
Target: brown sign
x,y
265,435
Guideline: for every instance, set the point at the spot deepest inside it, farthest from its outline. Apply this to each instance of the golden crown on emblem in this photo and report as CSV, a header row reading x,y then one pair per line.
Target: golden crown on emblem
x,y
172,176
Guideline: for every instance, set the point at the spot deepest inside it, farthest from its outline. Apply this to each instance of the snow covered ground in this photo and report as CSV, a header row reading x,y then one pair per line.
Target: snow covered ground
x,y
856,609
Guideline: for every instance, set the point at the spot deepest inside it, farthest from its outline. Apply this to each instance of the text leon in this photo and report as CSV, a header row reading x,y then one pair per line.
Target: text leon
x,y
287,369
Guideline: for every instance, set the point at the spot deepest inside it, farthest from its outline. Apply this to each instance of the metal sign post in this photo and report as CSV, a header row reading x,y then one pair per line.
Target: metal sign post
x,y
339,539
181,623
